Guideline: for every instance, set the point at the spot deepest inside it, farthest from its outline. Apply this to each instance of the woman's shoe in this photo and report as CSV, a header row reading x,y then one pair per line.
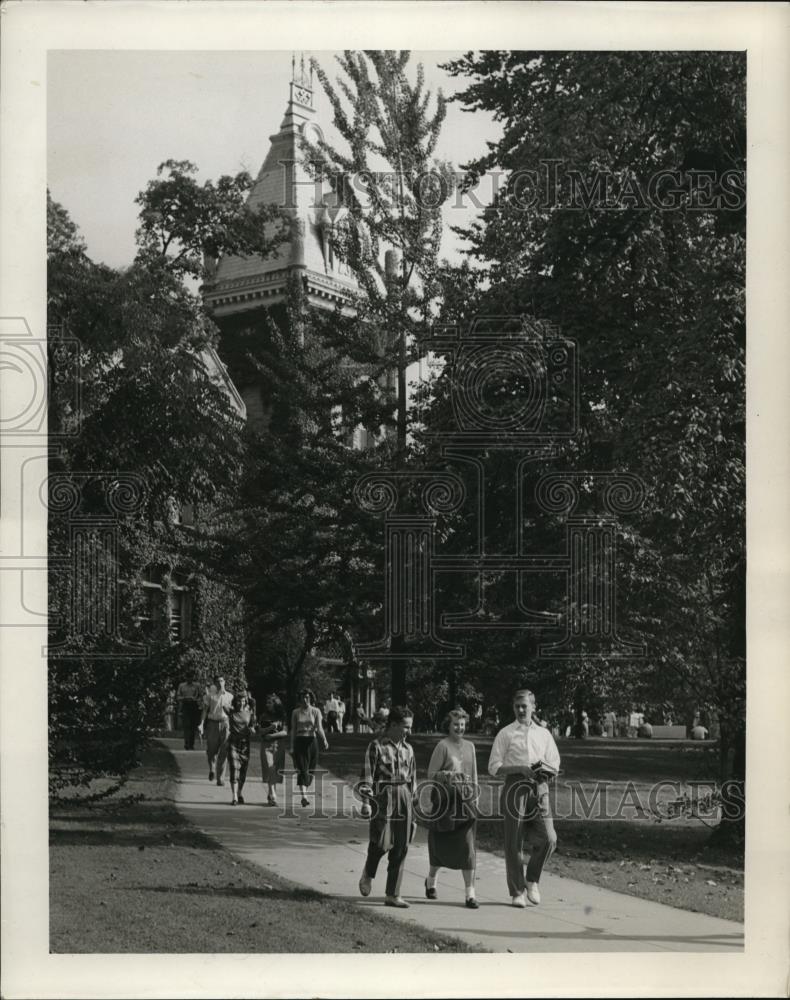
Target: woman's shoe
x,y
241,800
234,802
430,891
305,802
272,800
472,903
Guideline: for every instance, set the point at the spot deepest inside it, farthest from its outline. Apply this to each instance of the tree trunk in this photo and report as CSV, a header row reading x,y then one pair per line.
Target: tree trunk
x,y
731,831
398,673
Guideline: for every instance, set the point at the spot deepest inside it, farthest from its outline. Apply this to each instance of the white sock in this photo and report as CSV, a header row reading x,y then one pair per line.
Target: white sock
x,y
470,892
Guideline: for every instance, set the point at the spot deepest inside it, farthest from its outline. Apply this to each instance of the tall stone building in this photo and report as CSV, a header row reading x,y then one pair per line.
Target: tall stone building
x,y
241,291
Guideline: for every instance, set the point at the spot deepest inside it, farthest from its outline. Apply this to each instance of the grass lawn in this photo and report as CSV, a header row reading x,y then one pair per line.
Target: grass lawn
x,y
128,874
670,862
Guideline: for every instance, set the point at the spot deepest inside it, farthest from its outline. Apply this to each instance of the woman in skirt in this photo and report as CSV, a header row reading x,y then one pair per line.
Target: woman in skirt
x,y
240,731
306,730
273,732
451,837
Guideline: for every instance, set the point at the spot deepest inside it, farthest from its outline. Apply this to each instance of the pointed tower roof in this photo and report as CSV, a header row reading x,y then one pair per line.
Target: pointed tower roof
x,y
243,283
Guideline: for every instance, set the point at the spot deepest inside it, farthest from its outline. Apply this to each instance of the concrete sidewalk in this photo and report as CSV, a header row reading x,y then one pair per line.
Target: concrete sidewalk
x,y
323,847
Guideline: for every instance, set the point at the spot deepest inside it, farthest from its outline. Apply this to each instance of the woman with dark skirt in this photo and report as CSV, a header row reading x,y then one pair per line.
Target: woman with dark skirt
x,y
240,731
451,837
306,730
273,733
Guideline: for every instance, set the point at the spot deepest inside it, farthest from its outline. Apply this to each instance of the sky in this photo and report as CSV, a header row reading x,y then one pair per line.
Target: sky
x,y
113,116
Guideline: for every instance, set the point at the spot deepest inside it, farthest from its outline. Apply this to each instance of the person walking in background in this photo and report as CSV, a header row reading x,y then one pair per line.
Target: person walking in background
x,y
390,783
239,735
252,707
341,714
189,695
306,729
170,712
273,733
216,706
331,711
451,837
526,756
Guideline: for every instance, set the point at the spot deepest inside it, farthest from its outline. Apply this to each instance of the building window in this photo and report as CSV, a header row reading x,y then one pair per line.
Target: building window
x,y
179,614
151,611
181,513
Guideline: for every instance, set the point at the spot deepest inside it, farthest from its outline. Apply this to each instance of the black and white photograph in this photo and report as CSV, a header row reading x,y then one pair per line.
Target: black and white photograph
x,y
382,609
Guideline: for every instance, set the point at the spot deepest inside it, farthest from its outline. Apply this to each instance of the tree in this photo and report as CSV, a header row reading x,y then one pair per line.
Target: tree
x,y
297,548
623,222
392,189
153,423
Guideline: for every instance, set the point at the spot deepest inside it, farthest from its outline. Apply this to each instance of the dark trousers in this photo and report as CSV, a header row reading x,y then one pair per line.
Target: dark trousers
x,y
190,718
305,759
396,856
217,746
528,826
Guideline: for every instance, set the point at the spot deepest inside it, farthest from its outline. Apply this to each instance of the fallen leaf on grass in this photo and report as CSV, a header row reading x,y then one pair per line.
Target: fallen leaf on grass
x,y
710,882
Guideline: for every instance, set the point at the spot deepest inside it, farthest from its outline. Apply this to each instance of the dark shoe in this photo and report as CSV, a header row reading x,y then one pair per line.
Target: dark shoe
x,y
211,776
430,893
472,903
234,802
220,781
241,800
271,800
305,802
365,885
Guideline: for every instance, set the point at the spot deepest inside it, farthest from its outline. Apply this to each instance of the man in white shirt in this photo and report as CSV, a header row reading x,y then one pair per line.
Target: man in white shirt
x,y
331,711
525,797
216,706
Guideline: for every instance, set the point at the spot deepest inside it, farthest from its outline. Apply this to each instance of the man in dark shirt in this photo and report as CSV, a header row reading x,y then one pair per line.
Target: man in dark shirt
x,y
189,697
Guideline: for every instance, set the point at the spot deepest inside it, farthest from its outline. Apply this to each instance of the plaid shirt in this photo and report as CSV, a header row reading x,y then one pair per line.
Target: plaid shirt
x,y
389,764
